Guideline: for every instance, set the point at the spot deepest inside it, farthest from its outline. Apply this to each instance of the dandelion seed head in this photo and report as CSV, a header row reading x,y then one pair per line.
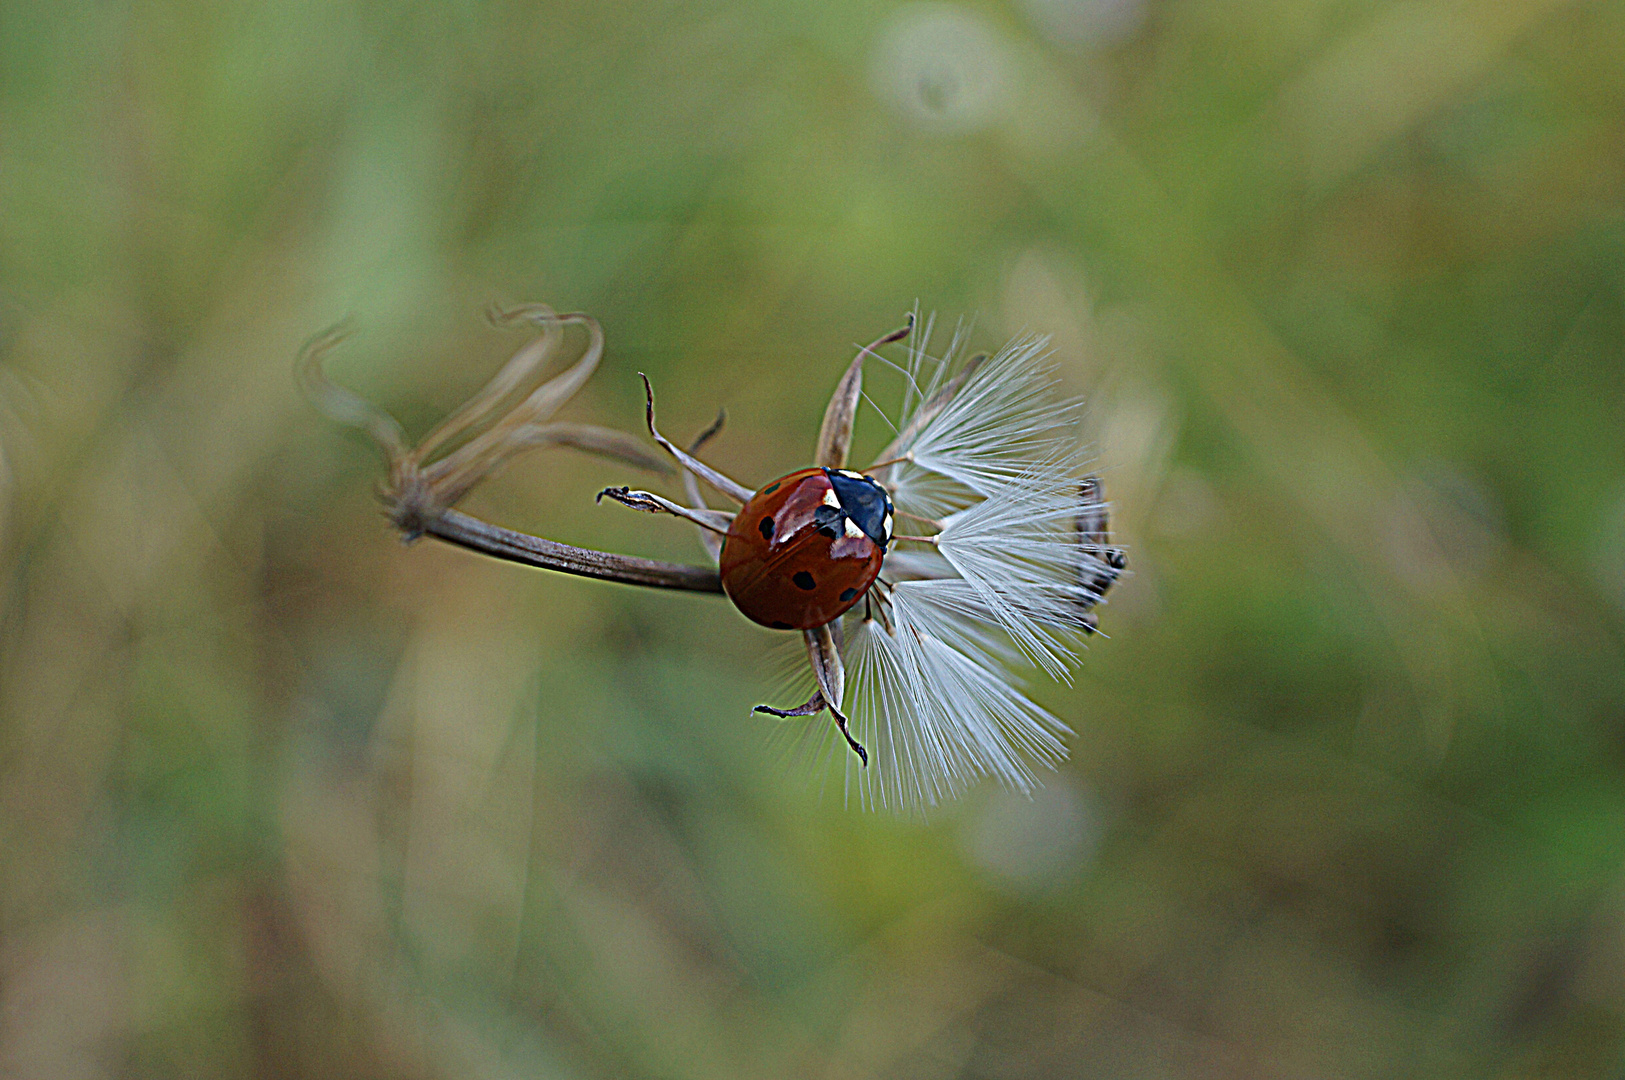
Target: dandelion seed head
x,y
987,437
972,552
995,574
1018,551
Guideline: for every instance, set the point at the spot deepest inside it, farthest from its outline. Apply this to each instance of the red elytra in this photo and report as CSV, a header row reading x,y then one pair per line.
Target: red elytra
x,y
793,559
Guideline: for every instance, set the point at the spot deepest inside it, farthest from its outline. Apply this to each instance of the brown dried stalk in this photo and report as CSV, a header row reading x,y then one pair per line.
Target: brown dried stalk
x,y
420,490
455,527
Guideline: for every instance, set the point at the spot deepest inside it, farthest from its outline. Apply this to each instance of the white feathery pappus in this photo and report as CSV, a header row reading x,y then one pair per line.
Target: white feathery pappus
x,y
985,550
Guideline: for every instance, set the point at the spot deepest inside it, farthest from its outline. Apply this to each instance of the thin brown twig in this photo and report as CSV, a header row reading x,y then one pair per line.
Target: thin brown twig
x,y
456,527
419,497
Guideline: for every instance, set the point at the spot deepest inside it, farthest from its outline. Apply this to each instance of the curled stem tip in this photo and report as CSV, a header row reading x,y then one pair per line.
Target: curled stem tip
x,y
422,488
339,404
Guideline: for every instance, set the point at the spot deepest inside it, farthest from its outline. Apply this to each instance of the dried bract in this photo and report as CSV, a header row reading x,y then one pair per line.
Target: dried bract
x,y
482,435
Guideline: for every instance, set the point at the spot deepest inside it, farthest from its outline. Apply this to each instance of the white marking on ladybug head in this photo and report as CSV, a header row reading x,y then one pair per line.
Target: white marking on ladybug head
x,y
830,499
850,475
885,528
852,530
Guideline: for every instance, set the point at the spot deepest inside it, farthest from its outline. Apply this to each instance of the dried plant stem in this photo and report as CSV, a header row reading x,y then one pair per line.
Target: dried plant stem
x,y
419,495
455,527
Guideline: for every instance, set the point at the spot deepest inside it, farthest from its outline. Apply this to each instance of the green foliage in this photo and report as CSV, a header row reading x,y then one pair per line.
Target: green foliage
x,y
1341,282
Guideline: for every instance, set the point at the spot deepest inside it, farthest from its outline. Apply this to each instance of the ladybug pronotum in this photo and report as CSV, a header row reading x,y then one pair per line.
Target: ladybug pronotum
x,y
806,547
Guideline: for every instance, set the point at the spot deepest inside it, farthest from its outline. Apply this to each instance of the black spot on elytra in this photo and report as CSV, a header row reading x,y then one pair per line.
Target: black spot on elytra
x,y
771,488
782,625
847,594
767,528
804,580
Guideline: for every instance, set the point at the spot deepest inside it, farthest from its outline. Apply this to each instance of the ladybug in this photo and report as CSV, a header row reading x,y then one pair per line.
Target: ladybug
x,y
806,547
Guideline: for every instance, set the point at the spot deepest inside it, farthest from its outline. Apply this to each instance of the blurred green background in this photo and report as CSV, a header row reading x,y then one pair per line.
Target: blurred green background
x,y
1340,279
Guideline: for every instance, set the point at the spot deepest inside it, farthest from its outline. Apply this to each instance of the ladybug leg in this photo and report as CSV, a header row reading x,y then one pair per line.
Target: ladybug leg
x,y
831,676
691,488
826,665
813,706
857,747
733,489
716,521
878,612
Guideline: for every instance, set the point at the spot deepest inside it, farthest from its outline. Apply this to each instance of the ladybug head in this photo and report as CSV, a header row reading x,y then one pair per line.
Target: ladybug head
x,y
864,502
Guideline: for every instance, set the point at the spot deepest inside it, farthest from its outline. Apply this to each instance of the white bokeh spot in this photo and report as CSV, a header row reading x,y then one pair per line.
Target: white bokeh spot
x,y
942,67
1087,24
1032,842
